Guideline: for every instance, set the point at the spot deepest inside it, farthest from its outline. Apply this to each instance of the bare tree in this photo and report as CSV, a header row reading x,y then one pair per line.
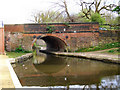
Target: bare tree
x,y
63,7
96,7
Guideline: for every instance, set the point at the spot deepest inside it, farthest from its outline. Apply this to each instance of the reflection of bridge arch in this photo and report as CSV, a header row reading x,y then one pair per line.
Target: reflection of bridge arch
x,y
51,64
54,43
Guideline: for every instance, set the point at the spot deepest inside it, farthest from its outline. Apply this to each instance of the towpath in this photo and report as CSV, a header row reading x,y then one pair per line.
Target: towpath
x,y
96,55
5,77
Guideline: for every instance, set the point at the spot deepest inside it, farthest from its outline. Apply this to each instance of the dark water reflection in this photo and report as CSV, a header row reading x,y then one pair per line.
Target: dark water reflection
x,y
48,70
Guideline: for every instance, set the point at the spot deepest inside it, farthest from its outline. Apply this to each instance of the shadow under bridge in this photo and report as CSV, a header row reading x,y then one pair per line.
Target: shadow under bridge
x,y
54,43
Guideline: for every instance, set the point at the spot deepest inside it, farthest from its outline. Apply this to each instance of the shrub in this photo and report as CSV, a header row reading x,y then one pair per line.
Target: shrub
x,y
97,18
20,49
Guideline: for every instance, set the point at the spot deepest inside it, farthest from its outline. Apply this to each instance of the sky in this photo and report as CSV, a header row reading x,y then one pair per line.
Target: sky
x,y
21,11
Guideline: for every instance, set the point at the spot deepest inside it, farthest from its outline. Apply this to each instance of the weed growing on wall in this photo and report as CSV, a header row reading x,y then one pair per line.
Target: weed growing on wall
x,y
50,29
67,25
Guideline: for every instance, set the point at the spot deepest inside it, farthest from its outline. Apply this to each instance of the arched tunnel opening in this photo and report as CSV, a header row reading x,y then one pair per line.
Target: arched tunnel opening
x,y
54,43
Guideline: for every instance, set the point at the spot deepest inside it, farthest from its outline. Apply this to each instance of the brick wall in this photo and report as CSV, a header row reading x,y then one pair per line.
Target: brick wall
x,y
58,27
14,28
109,36
1,40
13,40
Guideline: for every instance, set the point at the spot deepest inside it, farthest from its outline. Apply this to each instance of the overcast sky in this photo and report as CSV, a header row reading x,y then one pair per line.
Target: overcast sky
x,y
20,11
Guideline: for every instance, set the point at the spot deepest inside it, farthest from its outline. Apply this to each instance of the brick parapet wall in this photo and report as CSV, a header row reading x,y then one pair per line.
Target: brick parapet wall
x,y
58,27
14,28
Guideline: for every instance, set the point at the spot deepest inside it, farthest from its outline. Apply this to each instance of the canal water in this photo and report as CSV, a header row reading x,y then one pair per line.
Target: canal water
x,y
67,72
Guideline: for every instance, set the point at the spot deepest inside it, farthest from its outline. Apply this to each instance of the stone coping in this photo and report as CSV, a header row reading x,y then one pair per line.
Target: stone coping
x,y
14,77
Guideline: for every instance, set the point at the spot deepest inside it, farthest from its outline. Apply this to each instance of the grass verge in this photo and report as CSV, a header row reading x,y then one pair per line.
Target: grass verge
x,y
100,47
112,51
14,54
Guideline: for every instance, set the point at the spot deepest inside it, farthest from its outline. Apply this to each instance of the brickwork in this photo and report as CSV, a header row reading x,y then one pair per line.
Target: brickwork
x,y
1,40
58,27
108,36
27,43
74,40
14,28
7,41
13,40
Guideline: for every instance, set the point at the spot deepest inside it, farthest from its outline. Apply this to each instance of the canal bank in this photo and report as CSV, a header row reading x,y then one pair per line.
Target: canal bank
x,y
96,55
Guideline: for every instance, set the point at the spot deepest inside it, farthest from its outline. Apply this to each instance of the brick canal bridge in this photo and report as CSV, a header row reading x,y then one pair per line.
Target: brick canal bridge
x,y
57,36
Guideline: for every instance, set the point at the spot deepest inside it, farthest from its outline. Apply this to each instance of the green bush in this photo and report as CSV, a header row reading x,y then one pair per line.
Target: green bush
x,y
20,49
95,17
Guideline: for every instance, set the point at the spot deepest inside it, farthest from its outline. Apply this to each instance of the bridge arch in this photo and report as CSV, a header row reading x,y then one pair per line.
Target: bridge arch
x,y
54,43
